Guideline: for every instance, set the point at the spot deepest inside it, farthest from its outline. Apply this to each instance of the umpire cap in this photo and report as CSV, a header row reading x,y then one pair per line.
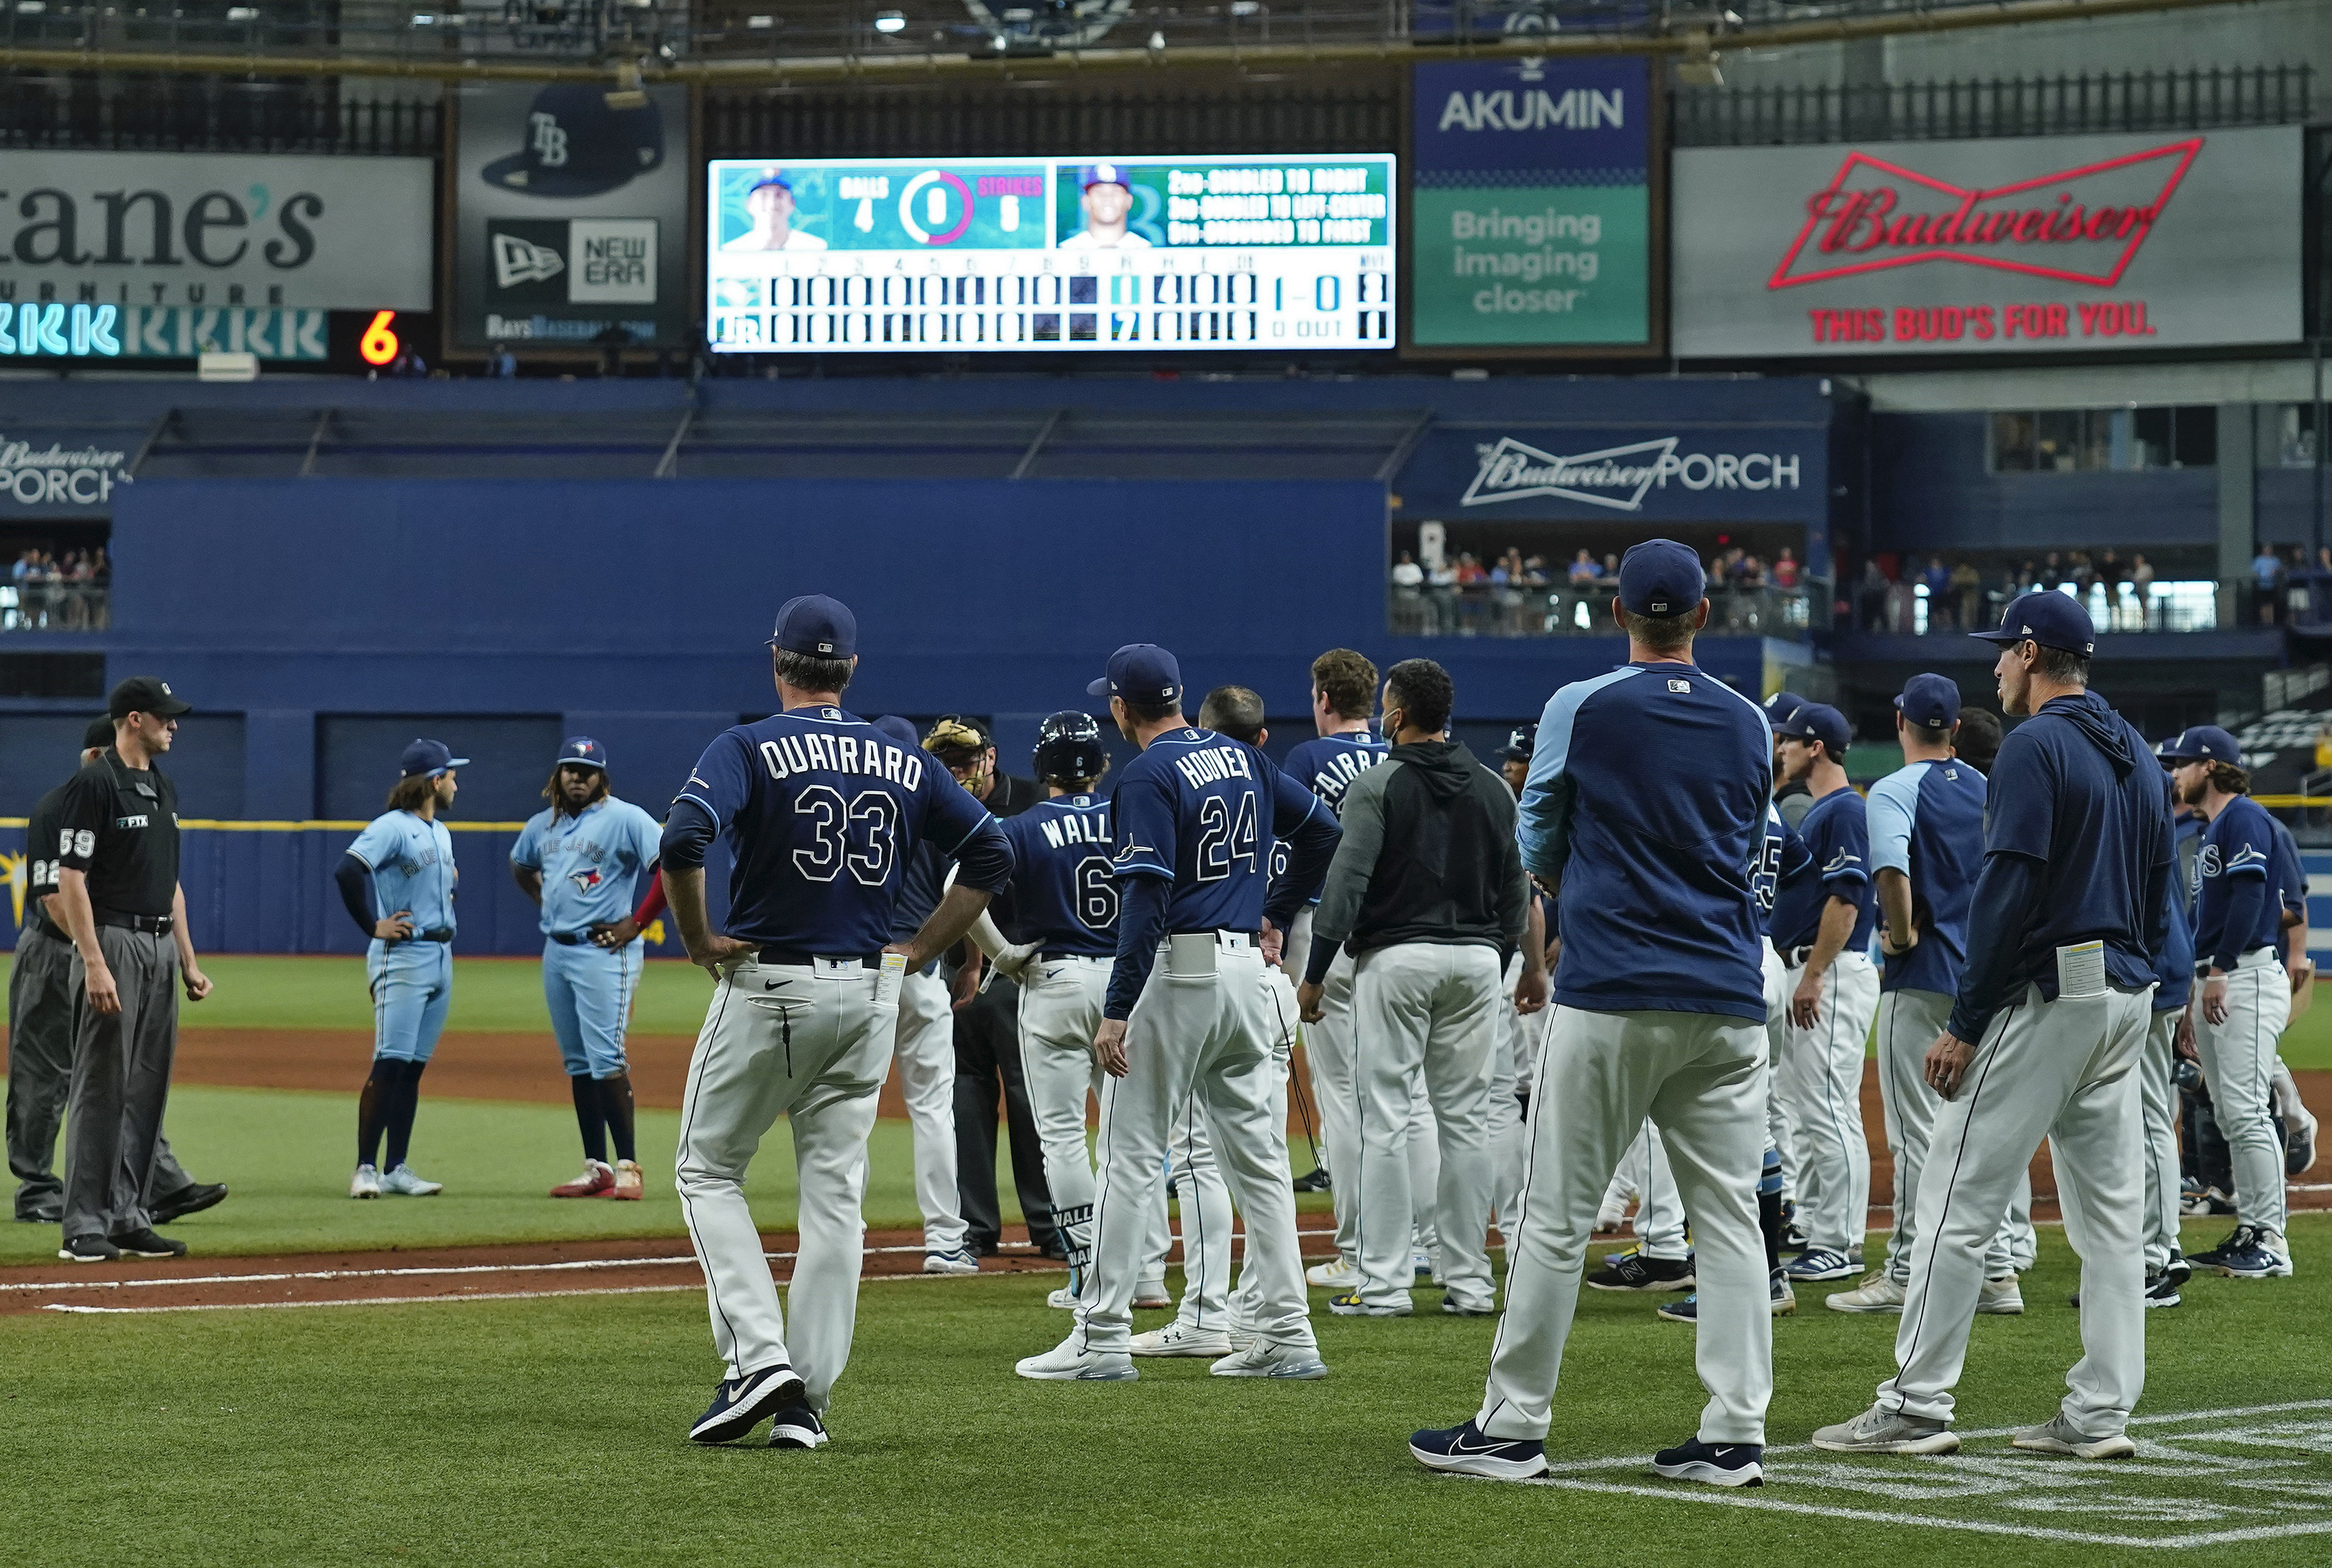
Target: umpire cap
x,y
146,694
98,736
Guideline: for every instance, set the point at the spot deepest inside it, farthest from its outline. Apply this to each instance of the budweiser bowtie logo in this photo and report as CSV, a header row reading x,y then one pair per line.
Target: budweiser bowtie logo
x,y
2078,226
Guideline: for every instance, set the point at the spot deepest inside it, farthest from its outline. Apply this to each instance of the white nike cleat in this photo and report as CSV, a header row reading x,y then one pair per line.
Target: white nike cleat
x,y
1875,1293
365,1182
1180,1338
1884,1431
399,1180
959,1261
1064,1297
1070,1362
2001,1297
1271,1361
2060,1436
1344,1273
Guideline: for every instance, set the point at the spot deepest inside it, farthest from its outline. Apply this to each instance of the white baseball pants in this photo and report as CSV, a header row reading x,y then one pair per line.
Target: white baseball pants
x,y
1203,1037
1909,1022
809,1042
1328,1055
1701,1078
2064,1070
1660,1223
1206,1202
2239,1063
1279,993
925,1060
1060,1008
1778,1135
1510,1072
1822,1086
1429,1012
2157,1098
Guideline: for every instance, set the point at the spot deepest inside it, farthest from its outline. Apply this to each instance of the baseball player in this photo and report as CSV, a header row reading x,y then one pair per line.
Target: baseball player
x,y
2046,1031
1107,201
1821,926
822,809
1644,809
1426,888
41,1034
587,862
1510,1068
924,1054
1926,843
1343,696
2291,1113
397,880
770,205
1186,1013
2169,1036
2246,995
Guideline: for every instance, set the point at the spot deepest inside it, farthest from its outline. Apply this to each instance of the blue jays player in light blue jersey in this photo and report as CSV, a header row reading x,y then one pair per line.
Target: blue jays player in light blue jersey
x,y
1644,807
821,811
586,861
397,881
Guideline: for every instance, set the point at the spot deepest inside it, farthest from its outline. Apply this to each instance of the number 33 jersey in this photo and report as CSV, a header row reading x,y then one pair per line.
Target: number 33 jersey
x,y
1064,893
821,811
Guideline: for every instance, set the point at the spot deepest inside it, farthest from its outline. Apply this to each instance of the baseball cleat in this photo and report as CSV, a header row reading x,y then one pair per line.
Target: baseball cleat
x,y
1344,1273
144,1243
1314,1181
1877,1294
1718,1464
2238,1241
2059,1436
365,1183
1634,1271
739,1403
1065,1297
2001,1297
89,1249
597,1181
1180,1338
1420,1263
399,1178
1271,1361
1349,1304
959,1261
1070,1362
2207,1200
1466,1451
1817,1264
1455,1308
631,1185
797,1427
1609,1219
2299,1145
1784,1302
1150,1296
2266,1258
192,1201
2161,1290
2179,1269
1878,1431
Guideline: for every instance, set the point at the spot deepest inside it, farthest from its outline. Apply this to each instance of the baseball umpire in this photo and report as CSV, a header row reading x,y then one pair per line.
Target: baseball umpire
x,y
2048,1027
1646,803
588,861
822,810
117,836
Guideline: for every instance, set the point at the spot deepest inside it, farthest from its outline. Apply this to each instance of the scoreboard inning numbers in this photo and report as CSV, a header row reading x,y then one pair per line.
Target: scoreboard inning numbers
x,y
908,256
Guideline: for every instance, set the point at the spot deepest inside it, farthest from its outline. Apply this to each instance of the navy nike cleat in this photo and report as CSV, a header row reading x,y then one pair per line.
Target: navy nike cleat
x,y
739,1403
1718,1464
1466,1451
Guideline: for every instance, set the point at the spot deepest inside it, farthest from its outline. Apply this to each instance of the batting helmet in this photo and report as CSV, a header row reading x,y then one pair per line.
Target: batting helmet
x,y
1069,748
1520,744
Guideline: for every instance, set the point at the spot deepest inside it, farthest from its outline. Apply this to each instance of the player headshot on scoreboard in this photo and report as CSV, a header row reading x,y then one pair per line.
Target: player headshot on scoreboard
x,y
770,203
1107,202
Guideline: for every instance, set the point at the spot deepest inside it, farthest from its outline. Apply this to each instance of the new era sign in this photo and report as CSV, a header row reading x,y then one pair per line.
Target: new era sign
x,y
2048,244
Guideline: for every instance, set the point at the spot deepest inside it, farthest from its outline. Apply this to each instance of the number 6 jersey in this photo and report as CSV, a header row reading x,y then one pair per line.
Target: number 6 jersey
x,y
822,810
1064,891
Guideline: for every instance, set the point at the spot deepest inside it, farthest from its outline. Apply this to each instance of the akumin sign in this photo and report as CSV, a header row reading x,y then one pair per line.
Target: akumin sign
x,y
1977,246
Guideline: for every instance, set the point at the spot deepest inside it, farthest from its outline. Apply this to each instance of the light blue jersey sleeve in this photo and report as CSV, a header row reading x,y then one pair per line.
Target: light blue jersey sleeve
x,y
379,843
527,850
1542,815
1894,810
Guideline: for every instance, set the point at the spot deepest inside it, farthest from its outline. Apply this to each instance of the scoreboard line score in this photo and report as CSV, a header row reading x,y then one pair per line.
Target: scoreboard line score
x,y
1052,254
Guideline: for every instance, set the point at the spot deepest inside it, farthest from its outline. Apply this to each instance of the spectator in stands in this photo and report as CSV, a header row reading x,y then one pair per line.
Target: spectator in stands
x,y
1967,596
1582,570
2141,585
1408,596
2267,583
1870,606
502,365
1937,578
1441,597
1785,569
2052,574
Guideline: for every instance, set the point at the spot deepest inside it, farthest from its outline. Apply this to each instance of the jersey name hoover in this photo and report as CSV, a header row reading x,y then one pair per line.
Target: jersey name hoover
x,y
1201,769
791,754
1084,828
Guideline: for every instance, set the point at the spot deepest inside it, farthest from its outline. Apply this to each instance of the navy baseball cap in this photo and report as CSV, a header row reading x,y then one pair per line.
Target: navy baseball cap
x,y
1101,173
1817,722
430,757
772,177
898,729
573,142
1140,672
1520,744
1930,702
1781,705
815,624
2203,744
583,752
2052,619
99,735
1661,577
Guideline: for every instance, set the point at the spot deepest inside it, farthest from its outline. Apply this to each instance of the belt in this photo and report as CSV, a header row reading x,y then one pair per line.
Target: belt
x,y
789,958
1054,954
150,924
438,933
570,938
1251,936
2256,958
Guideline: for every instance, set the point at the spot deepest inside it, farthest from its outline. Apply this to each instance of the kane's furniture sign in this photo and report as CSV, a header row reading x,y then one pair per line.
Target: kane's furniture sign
x,y
1532,212
2045,243
214,231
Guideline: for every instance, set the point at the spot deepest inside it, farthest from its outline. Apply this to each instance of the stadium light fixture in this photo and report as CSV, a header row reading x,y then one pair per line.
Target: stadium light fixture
x,y
890,21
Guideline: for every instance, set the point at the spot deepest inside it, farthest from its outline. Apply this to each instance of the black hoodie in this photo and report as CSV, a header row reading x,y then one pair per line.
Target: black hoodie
x,y
1428,854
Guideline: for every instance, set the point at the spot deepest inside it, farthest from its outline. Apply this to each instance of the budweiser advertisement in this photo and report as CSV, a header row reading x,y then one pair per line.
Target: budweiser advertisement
x,y
2042,244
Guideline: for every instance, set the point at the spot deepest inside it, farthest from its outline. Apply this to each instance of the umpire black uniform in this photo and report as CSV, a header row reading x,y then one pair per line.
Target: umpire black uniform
x,y
118,892
41,995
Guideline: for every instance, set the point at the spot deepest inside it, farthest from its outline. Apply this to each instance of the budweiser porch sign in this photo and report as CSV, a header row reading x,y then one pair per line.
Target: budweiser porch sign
x,y
2045,245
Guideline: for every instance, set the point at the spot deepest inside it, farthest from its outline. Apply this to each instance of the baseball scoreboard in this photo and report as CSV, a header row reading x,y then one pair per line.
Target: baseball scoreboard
x,y
1049,255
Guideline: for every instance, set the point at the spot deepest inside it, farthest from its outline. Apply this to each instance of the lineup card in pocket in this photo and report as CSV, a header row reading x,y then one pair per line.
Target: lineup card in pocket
x,y
2081,969
889,979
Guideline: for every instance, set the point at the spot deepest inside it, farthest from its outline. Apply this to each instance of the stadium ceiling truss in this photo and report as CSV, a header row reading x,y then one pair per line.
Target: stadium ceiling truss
x,y
763,43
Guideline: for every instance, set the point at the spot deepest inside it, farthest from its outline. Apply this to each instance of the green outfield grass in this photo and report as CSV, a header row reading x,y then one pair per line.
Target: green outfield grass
x,y
507,1433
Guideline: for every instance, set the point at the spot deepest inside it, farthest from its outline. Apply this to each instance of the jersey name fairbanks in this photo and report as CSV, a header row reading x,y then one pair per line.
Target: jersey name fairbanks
x,y
789,755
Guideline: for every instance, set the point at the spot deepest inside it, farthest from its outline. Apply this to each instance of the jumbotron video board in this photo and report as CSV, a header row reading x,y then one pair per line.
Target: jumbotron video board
x,y
1050,254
